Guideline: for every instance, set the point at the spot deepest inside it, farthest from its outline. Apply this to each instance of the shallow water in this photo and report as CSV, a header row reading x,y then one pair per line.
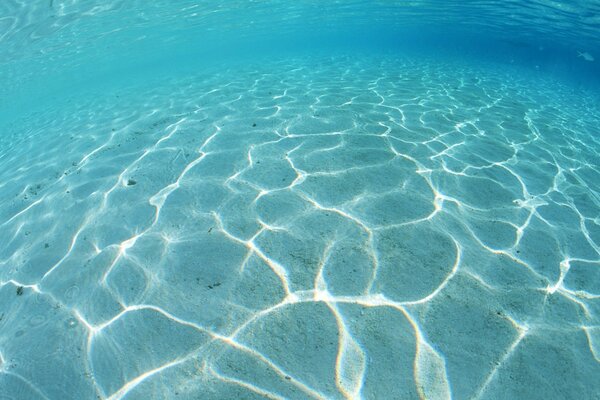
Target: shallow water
x,y
389,223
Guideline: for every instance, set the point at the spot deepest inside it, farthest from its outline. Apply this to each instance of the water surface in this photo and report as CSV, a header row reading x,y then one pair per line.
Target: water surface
x,y
300,200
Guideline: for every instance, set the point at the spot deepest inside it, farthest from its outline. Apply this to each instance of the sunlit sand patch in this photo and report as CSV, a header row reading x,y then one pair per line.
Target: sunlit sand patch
x,y
365,229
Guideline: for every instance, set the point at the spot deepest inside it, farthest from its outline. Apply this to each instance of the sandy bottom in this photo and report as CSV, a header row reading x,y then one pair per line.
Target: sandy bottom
x,y
326,228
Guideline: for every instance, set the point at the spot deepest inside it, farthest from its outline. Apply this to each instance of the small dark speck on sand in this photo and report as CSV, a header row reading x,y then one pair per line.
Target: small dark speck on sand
x,y
131,182
254,125
288,377
19,290
214,285
46,245
210,229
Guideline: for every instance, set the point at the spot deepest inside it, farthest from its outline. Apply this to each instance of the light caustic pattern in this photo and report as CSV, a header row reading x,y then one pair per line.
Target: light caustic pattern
x,y
311,229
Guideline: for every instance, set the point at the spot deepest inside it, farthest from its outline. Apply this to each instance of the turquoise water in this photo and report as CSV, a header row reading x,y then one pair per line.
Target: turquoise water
x,y
299,200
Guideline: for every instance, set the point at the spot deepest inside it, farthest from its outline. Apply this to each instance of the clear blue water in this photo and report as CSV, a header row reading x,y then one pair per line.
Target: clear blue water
x,y
299,200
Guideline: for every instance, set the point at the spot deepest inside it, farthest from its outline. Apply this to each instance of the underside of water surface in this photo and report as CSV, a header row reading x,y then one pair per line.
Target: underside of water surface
x,y
299,200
